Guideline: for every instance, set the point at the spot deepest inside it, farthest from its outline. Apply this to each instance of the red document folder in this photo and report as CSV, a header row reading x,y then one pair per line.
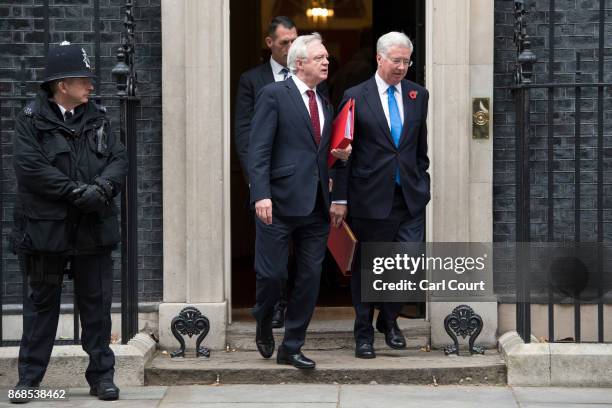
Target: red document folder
x,y
342,129
342,243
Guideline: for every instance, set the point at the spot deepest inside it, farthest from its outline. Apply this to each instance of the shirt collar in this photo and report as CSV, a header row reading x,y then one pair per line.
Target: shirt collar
x,y
302,87
383,86
276,67
63,110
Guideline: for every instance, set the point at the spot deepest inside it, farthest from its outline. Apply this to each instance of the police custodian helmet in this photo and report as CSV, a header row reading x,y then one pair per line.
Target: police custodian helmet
x,y
67,61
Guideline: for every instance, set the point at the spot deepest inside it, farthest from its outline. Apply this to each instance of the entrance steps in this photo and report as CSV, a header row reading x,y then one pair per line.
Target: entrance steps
x,y
329,329
330,343
333,366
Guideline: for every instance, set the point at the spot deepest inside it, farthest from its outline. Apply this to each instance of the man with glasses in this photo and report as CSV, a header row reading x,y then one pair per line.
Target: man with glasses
x,y
387,184
289,145
281,34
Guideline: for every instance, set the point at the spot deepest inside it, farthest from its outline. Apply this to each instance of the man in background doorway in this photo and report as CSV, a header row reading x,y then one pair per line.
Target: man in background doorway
x,y
281,34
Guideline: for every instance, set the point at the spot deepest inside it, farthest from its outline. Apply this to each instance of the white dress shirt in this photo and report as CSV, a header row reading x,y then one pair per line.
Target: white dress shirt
x,y
384,97
64,110
302,87
277,70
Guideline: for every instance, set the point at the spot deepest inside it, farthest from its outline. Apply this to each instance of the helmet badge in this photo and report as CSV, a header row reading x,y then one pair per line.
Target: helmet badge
x,y
86,58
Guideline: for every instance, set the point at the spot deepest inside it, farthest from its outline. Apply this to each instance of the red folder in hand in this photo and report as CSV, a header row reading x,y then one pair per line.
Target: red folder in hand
x,y
342,243
342,129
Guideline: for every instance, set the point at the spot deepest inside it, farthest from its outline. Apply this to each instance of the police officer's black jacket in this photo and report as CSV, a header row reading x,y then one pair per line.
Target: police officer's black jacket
x,y
51,158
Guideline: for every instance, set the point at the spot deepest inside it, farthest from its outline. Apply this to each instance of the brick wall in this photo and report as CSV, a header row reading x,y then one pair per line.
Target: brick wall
x,y
576,30
22,36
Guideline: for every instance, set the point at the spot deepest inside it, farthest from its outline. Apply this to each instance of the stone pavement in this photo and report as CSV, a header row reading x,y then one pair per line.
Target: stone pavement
x,y
338,396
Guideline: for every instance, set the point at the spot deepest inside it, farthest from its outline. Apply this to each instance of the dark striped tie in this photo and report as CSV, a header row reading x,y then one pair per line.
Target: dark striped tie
x,y
285,73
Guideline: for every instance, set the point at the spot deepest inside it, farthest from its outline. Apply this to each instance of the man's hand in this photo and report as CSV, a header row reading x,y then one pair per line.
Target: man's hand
x,y
342,154
263,209
92,198
337,213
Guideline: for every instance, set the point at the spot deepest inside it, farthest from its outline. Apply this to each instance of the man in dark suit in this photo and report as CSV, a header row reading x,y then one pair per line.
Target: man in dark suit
x,y
281,33
387,184
289,144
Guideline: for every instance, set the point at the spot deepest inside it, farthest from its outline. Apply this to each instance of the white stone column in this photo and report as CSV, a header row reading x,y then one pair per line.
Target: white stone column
x,y
195,167
459,68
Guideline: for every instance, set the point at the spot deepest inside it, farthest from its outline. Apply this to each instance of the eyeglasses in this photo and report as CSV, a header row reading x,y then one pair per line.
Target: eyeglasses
x,y
400,61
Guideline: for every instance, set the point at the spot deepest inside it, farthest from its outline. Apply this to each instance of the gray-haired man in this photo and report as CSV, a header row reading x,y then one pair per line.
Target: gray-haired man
x,y
287,161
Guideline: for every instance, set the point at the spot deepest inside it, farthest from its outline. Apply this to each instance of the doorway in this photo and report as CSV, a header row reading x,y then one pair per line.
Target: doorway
x,y
350,38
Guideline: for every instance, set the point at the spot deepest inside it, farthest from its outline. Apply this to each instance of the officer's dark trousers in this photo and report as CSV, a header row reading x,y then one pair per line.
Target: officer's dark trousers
x,y
309,236
400,226
93,285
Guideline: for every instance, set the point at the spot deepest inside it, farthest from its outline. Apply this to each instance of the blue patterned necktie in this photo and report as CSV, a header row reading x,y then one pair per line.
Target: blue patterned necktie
x,y
285,73
396,123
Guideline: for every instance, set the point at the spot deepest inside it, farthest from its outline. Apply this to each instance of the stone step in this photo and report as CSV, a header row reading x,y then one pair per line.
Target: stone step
x,y
330,329
333,366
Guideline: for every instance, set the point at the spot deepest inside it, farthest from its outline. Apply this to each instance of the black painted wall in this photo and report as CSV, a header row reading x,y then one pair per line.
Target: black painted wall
x,y
22,35
576,30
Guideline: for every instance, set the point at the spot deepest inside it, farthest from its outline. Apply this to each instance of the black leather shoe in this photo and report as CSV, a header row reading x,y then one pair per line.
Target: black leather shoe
x,y
298,360
264,339
393,335
20,395
278,318
365,350
105,390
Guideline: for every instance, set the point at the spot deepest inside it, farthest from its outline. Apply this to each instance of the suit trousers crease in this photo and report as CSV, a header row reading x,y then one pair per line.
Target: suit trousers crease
x,y
93,290
309,236
399,226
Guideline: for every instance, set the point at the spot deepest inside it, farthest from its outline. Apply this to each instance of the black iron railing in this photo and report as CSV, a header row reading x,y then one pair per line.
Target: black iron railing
x,y
522,89
124,75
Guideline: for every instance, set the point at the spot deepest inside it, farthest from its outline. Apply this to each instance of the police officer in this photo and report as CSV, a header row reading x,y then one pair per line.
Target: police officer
x,y
69,167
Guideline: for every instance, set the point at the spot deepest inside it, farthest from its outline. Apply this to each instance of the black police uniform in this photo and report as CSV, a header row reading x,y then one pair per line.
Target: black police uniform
x,y
68,172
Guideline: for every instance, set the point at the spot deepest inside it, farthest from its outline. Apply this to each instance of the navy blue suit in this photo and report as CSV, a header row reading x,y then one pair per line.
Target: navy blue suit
x,y
380,210
287,166
250,84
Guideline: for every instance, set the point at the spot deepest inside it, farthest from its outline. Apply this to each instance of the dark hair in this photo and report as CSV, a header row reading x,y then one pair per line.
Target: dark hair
x,y
52,86
279,20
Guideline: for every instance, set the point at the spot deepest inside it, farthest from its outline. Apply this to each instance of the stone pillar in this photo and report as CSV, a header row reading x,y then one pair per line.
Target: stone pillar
x,y
459,68
195,167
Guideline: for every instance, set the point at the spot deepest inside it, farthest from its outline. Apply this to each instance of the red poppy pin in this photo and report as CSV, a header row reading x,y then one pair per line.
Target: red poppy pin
x,y
412,94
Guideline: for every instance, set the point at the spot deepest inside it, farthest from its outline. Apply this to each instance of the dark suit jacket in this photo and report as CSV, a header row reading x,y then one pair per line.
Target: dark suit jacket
x,y
370,178
285,163
249,86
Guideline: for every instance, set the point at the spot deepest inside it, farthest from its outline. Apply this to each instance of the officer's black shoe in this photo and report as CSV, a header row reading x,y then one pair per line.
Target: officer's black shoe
x,y
278,318
264,339
365,350
105,390
393,335
20,393
298,360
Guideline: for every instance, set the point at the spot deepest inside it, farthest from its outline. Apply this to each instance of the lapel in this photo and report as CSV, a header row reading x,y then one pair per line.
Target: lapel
x,y
267,77
298,103
373,100
409,112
